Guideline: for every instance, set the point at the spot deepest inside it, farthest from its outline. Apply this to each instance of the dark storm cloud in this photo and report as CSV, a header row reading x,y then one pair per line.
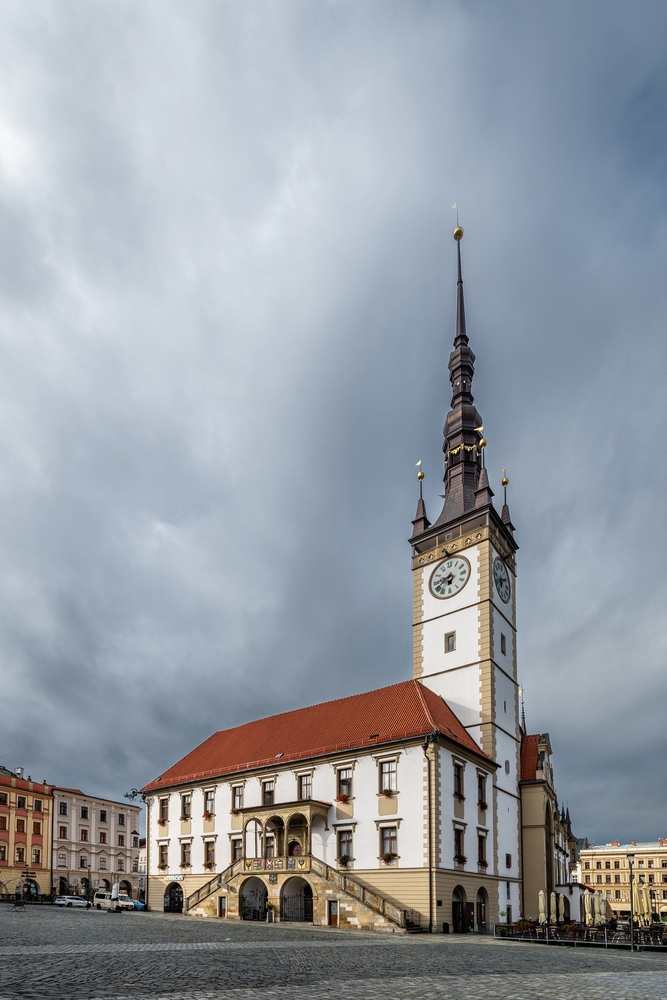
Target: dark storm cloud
x,y
226,305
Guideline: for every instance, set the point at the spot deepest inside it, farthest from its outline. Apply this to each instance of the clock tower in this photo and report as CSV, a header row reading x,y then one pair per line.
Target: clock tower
x,y
464,624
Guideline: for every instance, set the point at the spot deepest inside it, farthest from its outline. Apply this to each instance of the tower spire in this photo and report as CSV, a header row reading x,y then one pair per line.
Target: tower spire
x,y
463,427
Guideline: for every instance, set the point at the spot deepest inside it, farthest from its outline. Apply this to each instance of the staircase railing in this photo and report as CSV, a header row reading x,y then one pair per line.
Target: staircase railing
x,y
371,898
205,890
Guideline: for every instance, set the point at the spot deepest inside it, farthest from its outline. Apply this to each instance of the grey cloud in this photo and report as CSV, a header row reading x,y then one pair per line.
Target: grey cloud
x,y
226,309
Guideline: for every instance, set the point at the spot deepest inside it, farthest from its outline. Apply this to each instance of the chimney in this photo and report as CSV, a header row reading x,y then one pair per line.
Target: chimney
x,y
18,771
615,843
634,843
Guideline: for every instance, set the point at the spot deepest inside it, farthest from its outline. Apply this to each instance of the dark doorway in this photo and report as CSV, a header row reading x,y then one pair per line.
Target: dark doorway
x,y
63,887
253,899
481,910
173,898
458,910
126,888
333,912
297,901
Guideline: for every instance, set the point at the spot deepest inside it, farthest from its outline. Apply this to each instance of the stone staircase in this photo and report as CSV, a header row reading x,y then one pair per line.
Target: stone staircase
x,y
354,894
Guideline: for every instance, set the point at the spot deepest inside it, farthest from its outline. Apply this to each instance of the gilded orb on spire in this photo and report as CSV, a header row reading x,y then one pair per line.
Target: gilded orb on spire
x,y
458,233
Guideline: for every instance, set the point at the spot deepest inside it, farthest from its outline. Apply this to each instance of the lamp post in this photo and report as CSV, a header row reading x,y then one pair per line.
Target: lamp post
x,y
631,859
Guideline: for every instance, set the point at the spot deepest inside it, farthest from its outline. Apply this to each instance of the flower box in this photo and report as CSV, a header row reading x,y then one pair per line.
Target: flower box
x,y
460,859
186,864
209,865
483,864
344,860
234,811
161,822
163,867
389,857
343,798
388,793
185,819
207,815
482,805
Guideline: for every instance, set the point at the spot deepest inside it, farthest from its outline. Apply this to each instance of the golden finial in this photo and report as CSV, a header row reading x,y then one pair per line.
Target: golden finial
x,y
505,481
458,233
483,443
420,475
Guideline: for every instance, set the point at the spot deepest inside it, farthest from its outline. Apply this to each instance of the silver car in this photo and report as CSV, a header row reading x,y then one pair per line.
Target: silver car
x,y
72,901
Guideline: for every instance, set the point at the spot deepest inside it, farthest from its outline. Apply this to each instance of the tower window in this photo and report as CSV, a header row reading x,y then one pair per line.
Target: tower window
x,y
503,644
507,767
268,792
508,861
450,642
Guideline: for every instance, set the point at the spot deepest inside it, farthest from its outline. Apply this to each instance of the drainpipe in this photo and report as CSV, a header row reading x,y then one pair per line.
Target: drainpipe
x,y
430,740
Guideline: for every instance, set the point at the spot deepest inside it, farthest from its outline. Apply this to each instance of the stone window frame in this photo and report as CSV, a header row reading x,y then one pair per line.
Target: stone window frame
x,y
458,762
209,791
450,647
344,765
233,786
305,772
386,758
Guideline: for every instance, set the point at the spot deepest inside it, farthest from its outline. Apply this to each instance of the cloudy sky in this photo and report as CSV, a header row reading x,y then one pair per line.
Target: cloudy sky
x,y
226,306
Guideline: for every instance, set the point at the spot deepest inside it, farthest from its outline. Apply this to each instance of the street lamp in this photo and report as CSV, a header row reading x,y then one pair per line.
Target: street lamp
x,y
631,859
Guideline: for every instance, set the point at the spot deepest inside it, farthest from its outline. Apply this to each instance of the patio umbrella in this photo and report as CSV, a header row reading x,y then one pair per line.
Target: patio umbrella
x,y
588,908
542,897
636,902
552,908
609,913
561,907
646,899
600,909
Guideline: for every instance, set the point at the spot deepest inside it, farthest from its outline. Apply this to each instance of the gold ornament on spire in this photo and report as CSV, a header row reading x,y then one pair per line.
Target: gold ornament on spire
x,y
458,233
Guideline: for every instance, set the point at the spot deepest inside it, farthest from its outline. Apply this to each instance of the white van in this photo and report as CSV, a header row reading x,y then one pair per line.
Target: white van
x,y
103,901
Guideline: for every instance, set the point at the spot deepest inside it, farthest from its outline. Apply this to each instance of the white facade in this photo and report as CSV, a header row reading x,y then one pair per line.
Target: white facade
x,y
95,842
478,677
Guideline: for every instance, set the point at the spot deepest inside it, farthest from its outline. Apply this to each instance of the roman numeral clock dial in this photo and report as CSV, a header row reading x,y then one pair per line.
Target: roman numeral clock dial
x,y
450,577
501,578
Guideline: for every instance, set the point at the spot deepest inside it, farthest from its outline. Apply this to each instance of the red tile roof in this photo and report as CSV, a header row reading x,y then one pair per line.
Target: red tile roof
x,y
400,711
72,791
529,745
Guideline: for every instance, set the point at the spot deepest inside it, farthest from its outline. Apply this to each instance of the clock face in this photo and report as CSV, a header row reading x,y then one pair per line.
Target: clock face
x,y
502,580
450,577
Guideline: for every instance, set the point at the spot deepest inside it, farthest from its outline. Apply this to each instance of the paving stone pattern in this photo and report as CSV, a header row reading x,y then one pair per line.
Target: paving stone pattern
x,y
91,955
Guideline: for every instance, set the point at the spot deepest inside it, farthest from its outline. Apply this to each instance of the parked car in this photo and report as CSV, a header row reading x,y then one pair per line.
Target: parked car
x,y
138,905
103,901
72,901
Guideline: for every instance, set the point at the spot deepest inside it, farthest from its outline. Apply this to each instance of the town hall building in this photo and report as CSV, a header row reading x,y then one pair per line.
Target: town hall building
x,y
401,808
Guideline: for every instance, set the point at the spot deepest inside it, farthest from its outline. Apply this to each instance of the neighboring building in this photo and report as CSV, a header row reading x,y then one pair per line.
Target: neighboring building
x,y
431,830
549,848
25,835
607,869
95,843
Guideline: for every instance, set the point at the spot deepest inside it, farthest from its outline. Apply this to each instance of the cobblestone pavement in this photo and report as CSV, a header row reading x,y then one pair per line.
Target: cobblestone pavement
x,y
91,955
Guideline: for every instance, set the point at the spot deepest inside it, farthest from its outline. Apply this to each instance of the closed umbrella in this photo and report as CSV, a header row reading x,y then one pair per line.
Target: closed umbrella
x,y
552,908
542,898
561,907
636,902
588,908
609,913
600,909
646,908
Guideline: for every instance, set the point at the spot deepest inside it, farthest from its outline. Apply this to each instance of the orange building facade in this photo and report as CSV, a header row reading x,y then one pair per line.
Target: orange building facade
x,y
26,808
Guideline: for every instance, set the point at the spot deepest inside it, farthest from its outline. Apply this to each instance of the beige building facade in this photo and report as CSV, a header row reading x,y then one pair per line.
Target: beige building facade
x,y
95,844
607,869
549,847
